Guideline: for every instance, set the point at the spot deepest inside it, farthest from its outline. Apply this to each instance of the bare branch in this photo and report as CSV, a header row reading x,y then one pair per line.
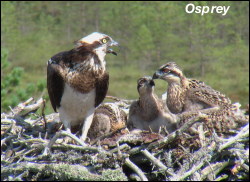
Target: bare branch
x,y
136,169
157,162
242,134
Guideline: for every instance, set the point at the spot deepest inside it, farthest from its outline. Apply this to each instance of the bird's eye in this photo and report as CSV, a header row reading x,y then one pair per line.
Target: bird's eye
x,y
104,41
165,70
141,82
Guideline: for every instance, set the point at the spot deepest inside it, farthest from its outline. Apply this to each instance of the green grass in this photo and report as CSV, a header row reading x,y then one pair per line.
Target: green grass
x,y
123,82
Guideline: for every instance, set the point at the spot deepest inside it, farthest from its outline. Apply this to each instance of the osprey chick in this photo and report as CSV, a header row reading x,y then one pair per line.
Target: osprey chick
x,y
149,111
77,80
108,117
184,94
188,95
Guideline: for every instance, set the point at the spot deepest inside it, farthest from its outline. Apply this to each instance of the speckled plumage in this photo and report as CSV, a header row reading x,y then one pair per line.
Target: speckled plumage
x,y
188,95
108,117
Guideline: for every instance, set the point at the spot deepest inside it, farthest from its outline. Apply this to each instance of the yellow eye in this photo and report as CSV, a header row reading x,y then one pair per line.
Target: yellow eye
x,y
104,41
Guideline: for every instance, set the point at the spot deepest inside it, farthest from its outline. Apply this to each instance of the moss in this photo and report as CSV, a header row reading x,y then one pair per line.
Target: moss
x,y
65,172
113,175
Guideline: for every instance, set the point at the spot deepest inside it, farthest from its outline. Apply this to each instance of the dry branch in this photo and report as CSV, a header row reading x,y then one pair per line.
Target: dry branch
x,y
242,134
136,169
172,136
157,162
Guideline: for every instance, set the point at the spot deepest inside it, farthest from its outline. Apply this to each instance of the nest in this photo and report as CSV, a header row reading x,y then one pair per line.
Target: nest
x,y
32,150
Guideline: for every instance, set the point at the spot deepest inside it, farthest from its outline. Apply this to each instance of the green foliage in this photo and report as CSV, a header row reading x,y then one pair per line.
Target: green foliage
x,y
11,92
9,80
212,48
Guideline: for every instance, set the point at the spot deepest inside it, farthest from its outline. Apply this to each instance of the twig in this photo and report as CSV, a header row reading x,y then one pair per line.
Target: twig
x,y
222,177
3,141
188,173
201,135
200,158
136,169
83,146
166,140
121,147
20,107
246,167
43,115
119,100
156,162
242,134
31,107
75,147
134,177
171,137
213,168
58,134
12,121
28,142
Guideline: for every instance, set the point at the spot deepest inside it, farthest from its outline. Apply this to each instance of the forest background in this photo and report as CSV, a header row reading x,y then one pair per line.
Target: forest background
x,y
212,48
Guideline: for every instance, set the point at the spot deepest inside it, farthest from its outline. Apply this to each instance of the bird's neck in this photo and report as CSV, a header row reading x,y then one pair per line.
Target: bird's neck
x,y
101,53
150,106
90,61
175,97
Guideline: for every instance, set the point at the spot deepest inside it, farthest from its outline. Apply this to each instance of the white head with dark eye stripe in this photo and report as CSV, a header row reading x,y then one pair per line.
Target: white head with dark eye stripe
x,y
98,43
169,72
145,85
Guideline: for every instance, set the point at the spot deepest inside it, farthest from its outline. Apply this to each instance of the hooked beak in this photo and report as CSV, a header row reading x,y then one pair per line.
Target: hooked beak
x,y
112,43
157,75
152,83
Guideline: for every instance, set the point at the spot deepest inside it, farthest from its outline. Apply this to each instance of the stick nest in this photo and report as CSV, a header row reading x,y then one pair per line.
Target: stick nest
x,y
32,150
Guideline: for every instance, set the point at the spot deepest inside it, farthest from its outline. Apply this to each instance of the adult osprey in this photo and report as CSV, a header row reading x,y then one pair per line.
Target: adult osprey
x,y
77,80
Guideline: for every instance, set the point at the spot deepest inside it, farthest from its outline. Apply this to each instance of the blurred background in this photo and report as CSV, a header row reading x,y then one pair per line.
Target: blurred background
x,y
212,48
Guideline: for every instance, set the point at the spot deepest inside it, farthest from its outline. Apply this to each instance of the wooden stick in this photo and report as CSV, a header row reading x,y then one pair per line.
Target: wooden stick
x,y
136,169
242,134
172,136
43,115
119,100
222,177
213,168
156,162
188,173
58,134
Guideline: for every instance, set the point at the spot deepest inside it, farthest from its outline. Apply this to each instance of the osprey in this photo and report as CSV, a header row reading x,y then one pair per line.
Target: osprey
x,y
77,80
187,96
108,117
150,111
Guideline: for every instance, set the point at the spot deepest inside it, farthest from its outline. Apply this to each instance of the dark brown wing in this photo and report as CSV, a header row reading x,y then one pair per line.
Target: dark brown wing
x,y
101,86
55,84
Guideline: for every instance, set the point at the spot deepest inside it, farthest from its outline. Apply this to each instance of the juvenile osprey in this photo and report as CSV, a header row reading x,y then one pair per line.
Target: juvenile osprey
x,y
77,80
149,111
108,117
187,95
